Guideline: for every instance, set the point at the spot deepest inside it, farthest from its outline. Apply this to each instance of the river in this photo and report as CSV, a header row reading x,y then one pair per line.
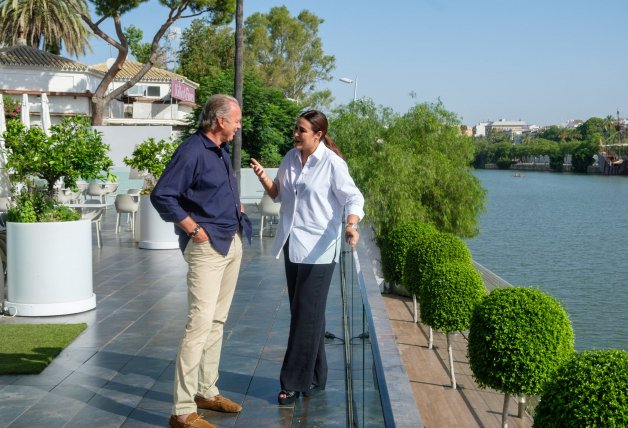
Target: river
x,y
568,235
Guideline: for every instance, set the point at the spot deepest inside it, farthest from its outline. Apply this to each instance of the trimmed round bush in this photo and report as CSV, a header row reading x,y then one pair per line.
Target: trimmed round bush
x,y
426,253
449,296
518,338
591,390
394,247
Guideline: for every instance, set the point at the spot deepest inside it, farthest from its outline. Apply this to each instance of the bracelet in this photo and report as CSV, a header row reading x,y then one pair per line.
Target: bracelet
x,y
193,233
352,225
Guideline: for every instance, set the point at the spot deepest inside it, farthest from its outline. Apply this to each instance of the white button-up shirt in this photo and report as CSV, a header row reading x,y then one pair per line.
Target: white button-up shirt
x,y
313,199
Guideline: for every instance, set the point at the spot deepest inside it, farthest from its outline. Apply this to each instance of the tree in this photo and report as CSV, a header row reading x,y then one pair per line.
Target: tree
x,y
206,50
221,11
426,252
71,152
151,157
395,245
590,390
45,24
518,339
287,52
142,51
432,181
267,119
453,289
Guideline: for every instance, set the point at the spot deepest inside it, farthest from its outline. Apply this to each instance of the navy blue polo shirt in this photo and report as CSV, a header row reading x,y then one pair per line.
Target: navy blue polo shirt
x,y
200,182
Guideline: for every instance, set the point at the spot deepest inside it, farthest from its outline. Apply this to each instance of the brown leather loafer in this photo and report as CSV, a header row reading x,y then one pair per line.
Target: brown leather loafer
x,y
192,421
218,403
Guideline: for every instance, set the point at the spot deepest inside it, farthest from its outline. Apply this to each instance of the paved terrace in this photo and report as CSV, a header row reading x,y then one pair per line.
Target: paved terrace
x,y
119,372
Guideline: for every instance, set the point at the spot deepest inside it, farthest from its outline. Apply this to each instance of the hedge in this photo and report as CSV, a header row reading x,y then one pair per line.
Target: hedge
x,y
394,247
428,252
449,295
518,338
591,390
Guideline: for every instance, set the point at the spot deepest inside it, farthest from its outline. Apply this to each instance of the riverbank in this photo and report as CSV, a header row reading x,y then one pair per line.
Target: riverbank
x,y
543,167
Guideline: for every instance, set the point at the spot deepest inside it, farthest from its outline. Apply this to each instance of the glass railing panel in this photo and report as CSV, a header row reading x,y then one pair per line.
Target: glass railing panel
x,y
379,393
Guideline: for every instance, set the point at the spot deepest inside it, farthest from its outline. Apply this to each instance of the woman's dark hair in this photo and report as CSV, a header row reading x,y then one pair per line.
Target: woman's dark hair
x,y
319,123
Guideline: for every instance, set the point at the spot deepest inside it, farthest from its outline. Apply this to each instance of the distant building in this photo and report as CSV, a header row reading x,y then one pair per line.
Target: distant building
x,y
155,107
510,127
159,98
514,127
573,123
480,129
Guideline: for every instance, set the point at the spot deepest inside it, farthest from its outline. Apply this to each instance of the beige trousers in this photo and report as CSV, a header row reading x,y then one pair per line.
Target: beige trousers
x,y
211,282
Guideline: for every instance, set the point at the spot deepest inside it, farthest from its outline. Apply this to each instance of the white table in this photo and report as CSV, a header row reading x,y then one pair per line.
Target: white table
x,y
83,205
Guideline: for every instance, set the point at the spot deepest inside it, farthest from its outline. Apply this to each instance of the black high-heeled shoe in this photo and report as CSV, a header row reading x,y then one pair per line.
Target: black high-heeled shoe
x,y
314,389
287,397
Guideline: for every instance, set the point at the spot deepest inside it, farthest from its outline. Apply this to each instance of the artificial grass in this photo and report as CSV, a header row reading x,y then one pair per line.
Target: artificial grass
x,y
29,348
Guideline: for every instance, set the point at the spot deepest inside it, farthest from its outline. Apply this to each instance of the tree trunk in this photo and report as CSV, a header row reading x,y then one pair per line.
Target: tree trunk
x,y
452,372
414,307
521,408
430,340
98,111
505,411
238,84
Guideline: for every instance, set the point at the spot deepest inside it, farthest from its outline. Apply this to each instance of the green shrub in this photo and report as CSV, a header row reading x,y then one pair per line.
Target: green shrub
x,y
33,206
72,151
518,338
394,247
449,295
591,390
426,253
151,157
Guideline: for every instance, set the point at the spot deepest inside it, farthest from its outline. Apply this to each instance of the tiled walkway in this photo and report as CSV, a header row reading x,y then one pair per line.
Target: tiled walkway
x,y
119,372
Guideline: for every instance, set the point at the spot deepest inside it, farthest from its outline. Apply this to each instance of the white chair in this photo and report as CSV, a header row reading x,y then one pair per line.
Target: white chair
x,y
110,189
126,204
134,192
98,190
95,216
82,188
66,196
267,208
5,203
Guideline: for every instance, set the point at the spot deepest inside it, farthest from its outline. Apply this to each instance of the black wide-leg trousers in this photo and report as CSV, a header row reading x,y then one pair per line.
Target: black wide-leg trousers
x,y
305,362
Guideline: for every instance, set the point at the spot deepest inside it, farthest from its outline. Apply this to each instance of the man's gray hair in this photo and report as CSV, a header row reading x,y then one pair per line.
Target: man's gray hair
x,y
218,105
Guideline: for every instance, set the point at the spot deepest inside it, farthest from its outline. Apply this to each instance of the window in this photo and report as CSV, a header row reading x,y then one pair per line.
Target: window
x,y
152,91
144,91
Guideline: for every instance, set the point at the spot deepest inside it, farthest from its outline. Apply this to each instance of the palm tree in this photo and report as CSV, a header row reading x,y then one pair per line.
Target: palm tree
x,y
49,24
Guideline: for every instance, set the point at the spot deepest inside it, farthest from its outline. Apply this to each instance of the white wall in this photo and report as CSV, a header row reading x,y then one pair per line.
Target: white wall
x,y
42,80
251,190
123,139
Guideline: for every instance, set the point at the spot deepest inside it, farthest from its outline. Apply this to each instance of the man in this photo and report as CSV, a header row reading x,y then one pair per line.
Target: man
x,y
198,192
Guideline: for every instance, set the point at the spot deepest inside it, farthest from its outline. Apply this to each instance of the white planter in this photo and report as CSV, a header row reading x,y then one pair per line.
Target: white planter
x,y
49,268
155,234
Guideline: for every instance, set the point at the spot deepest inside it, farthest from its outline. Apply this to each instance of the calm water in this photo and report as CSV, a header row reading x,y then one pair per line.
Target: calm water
x,y
568,234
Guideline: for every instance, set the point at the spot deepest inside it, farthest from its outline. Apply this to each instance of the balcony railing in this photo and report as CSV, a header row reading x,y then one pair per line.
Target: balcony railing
x,y
378,389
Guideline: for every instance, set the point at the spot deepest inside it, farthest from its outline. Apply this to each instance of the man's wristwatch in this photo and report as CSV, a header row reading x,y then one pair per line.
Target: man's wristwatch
x,y
193,233
352,225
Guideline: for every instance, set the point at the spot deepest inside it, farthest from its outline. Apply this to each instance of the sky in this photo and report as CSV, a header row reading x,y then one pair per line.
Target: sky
x,y
541,61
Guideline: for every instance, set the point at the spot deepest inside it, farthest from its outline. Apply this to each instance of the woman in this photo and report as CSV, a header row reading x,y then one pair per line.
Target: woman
x,y
315,190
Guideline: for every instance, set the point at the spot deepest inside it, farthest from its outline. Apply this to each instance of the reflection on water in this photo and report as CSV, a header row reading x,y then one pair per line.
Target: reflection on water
x,y
567,234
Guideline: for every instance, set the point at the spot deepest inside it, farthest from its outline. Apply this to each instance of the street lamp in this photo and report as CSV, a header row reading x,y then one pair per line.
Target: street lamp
x,y
350,81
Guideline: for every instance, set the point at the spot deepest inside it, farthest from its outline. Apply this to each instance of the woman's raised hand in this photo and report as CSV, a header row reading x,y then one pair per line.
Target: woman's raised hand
x,y
258,169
